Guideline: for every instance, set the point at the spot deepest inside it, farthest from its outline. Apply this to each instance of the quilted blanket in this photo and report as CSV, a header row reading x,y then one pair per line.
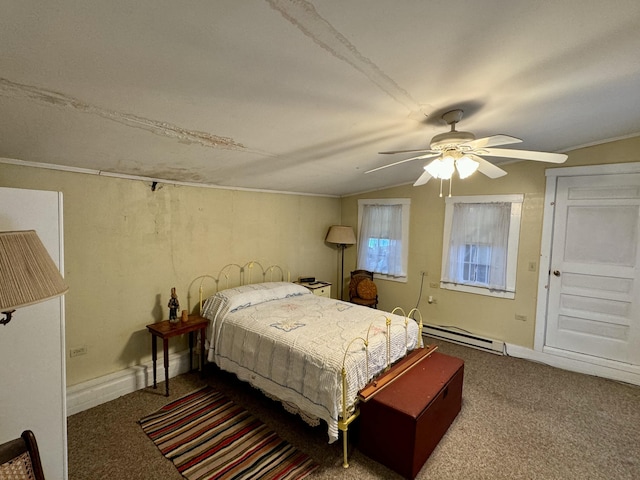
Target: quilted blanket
x,y
292,345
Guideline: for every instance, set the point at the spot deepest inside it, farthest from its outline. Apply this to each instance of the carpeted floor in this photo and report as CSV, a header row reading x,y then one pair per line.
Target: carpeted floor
x,y
519,420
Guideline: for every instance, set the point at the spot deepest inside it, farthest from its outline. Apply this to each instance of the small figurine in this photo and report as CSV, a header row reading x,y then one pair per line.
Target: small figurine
x,y
173,305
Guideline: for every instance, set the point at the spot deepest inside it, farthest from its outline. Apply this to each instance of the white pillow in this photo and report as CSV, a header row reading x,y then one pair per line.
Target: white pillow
x,y
233,299
253,294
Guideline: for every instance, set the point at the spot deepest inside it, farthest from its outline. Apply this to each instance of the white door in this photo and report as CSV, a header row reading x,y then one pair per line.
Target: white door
x,y
594,292
33,382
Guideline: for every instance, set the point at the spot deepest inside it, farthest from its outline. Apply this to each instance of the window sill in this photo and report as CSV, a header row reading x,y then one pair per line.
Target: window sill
x,y
382,276
478,291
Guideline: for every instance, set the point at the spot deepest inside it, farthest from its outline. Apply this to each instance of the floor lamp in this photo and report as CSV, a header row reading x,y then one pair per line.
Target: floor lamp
x,y
29,275
342,236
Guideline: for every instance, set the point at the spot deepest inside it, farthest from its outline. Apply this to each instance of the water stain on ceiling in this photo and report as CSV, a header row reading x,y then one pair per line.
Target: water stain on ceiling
x,y
301,95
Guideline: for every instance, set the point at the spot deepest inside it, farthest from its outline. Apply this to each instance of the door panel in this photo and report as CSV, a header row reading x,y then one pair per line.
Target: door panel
x,y
593,281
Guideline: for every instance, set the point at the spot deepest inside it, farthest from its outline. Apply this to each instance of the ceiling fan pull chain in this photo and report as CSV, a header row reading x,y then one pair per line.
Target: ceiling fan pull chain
x,y
450,182
440,188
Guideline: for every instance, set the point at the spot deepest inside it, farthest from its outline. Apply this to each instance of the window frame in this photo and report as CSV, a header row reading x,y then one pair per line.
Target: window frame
x,y
406,210
516,201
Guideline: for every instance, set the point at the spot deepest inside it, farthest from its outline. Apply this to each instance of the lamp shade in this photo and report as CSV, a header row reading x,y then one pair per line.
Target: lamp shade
x,y
466,166
441,168
341,234
28,275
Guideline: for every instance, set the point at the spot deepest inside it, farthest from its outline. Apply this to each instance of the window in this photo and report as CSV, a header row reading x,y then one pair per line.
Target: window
x,y
475,263
383,237
480,245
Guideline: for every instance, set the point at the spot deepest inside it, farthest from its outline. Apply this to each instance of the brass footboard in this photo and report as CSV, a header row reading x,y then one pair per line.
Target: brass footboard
x,y
348,418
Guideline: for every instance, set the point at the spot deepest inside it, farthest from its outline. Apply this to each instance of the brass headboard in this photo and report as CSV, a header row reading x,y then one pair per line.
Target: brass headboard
x,y
233,275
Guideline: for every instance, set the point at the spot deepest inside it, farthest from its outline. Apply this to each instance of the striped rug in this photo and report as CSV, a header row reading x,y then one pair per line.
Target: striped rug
x,y
207,436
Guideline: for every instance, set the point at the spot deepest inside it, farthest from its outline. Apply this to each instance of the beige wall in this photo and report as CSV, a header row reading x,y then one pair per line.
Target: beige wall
x,y
126,246
479,314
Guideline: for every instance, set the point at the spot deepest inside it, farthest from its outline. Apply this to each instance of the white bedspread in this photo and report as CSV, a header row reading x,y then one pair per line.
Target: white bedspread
x,y
293,347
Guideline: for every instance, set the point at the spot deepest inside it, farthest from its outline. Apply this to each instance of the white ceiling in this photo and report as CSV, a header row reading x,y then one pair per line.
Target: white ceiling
x,y
299,96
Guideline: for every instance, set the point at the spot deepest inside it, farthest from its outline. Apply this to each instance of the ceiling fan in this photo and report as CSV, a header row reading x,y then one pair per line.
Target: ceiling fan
x,y
461,151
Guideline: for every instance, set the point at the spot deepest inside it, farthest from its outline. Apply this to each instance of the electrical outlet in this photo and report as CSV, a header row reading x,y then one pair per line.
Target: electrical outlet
x,y
423,273
532,266
521,318
75,352
434,285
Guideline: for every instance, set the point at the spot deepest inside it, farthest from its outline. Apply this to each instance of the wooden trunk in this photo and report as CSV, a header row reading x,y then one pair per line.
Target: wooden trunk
x,y
402,424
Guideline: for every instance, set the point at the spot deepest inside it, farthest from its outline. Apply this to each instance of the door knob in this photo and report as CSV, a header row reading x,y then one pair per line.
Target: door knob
x,y
556,273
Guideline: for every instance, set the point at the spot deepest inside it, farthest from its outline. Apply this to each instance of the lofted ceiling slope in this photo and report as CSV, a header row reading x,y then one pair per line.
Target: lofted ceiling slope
x,y
300,96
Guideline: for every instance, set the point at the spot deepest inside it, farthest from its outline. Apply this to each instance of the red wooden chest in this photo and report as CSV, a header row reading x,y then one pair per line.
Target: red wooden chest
x,y
402,424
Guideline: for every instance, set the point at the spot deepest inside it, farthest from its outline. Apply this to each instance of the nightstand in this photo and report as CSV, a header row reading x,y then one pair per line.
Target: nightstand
x,y
165,330
321,289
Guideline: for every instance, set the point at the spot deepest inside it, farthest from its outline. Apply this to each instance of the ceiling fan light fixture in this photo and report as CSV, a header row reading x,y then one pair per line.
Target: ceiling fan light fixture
x,y
448,167
433,168
441,168
466,166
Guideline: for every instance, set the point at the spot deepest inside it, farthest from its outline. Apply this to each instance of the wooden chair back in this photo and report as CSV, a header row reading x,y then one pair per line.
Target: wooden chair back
x,y
20,458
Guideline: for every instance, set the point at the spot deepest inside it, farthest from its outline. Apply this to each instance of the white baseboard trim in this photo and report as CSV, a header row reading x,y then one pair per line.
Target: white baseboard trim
x,y
103,389
578,363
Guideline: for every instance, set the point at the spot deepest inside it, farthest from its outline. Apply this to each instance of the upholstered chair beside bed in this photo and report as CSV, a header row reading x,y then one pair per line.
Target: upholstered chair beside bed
x,y
362,289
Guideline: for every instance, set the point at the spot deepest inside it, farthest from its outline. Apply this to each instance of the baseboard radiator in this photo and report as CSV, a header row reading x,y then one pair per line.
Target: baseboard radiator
x,y
463,338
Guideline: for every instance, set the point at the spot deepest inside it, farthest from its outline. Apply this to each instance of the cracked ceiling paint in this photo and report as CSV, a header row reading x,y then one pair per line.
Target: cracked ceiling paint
x,y
17,90
304,16
301,95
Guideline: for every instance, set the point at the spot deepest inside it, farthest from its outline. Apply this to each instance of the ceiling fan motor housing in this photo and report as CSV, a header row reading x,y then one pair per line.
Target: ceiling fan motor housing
x,y
450,140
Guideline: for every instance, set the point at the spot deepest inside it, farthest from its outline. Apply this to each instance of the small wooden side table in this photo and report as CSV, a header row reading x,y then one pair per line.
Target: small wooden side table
x,y
166,330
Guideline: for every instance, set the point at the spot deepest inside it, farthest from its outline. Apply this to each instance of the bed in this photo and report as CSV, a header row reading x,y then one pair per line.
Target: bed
x,y
312,353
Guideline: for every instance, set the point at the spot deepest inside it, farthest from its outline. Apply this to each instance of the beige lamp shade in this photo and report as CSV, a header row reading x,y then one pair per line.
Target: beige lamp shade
x,y
341,234
28,275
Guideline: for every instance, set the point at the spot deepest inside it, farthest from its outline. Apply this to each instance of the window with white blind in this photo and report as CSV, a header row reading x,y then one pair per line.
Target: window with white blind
x,y
480,244
383,237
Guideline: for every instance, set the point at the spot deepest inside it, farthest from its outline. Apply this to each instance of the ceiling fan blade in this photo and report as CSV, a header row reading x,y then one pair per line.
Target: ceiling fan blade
x,y
492,141
407,151
487,168
424,178
428,155
524,155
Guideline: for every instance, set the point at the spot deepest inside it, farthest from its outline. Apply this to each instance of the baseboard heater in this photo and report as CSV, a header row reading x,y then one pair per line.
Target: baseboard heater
x,y
463,338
